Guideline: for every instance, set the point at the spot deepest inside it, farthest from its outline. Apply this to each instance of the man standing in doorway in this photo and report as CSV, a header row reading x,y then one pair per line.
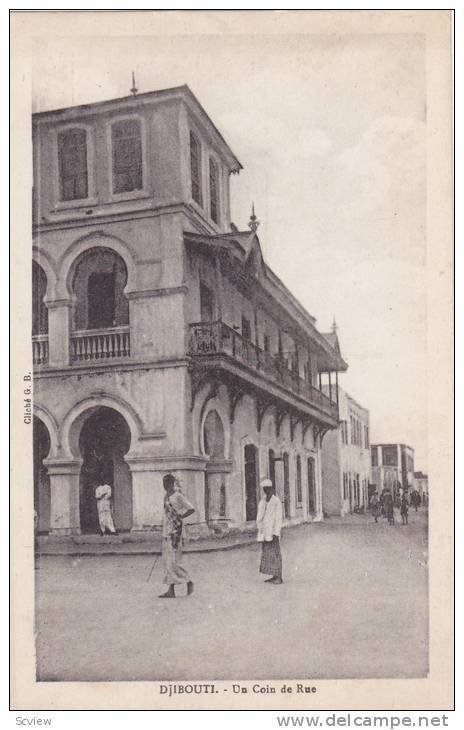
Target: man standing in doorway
x,y
105,513
269,523
176,509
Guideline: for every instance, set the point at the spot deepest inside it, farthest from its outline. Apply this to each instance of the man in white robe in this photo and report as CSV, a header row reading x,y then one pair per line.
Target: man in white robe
x,y
269,523
105,513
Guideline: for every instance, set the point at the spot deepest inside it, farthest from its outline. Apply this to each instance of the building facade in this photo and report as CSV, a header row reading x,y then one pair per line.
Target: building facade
x,y
161,339
392,467
346,465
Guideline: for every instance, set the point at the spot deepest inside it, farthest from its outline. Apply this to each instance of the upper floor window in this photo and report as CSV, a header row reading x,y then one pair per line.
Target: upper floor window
x,y
366,437
374,456
72,163
267,344
206,303
214,190
195,168
126,139
246,328
99,280
389,456
308,371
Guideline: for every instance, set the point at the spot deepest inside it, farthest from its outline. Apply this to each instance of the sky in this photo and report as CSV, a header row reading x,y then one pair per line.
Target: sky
x,y
331,132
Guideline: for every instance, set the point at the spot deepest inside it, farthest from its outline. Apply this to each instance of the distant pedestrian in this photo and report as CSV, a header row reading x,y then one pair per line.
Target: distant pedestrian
x,y
388,507
404,508
374,504
415,499
269,523
105,509
176,509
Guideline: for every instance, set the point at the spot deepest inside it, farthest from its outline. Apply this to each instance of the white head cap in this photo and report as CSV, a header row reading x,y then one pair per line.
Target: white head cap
x,y
266,483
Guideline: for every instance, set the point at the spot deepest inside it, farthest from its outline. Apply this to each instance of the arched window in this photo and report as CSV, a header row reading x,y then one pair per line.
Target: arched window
x,y
72,164
98,285
195,168
213,436
126,138
299,491
39,310
214,190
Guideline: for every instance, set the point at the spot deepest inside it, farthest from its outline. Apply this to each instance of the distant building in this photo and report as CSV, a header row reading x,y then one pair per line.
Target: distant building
x,y
346,460
421,483
392,466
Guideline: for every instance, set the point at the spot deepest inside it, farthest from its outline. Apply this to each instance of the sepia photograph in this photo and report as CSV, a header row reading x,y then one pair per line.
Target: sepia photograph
x,y
230,419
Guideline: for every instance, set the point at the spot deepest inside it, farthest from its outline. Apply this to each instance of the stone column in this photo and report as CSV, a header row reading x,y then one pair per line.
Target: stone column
x,y
64,496
59,315
148,491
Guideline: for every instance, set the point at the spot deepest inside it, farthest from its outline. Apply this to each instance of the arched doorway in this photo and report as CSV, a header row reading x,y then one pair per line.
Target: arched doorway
x,y
251,482
103,441
215,488
272,469
311,487
41,447
286,485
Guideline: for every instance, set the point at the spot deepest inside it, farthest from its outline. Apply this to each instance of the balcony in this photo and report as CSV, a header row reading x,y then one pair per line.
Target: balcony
x,y
210,340
40,349
105,344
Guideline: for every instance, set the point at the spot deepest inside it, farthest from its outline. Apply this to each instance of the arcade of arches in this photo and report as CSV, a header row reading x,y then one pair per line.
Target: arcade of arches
x,y
99,443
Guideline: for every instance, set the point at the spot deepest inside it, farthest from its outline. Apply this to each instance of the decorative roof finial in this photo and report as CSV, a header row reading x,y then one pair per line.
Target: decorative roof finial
x,y
334,326
253,223
134,88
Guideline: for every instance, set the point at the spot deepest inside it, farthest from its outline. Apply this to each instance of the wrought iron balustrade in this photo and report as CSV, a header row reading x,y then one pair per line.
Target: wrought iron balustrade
x,y
216,338
100,344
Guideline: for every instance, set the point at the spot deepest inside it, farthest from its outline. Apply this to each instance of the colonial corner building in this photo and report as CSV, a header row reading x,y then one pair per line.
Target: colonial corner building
x,y
161,339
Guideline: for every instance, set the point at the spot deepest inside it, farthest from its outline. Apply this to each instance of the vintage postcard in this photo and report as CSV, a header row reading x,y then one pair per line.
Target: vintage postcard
x,y
232,386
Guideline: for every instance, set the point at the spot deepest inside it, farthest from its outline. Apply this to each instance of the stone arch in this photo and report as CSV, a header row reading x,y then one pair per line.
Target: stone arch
x,y
104,438
80,411
53,429
44,261
39,294
42,445
95,240
98,278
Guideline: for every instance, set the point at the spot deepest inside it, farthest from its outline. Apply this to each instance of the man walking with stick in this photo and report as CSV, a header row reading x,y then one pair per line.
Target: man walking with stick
x,y
176,509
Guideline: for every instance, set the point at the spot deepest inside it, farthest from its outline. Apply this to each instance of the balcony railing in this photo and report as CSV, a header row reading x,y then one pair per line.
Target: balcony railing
x,y
100,344
40,349
216,338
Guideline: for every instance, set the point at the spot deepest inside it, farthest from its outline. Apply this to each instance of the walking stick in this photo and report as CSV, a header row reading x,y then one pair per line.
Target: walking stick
x,y
153,567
